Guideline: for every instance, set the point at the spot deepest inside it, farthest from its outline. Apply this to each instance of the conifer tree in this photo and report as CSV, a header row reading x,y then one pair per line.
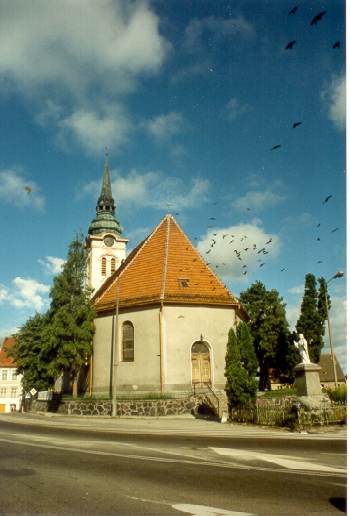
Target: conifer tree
x,y
71,316
269,328
28,354
313,315
241,367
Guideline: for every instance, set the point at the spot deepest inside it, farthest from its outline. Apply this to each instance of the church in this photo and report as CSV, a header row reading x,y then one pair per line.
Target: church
x,y
163,316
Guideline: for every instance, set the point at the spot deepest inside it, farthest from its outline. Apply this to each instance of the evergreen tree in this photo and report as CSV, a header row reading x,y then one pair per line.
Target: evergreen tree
x,y
269,328
241,367
28,354
313,315
71,316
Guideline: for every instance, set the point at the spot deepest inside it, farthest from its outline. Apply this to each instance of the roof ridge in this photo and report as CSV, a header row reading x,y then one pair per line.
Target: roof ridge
x,y
142,245
166,254
203,260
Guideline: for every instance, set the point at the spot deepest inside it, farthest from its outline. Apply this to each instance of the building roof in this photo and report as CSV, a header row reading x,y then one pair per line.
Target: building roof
x,y
327,373
5,360
165,267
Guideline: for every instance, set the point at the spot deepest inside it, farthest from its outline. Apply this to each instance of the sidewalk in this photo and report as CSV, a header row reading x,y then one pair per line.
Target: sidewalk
x,y
177,425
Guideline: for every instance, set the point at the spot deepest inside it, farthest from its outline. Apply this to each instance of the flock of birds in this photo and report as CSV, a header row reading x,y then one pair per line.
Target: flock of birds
x,y
245,246
242,250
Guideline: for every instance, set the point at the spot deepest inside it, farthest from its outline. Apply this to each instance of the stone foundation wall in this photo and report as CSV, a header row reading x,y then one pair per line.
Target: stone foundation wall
x,y
165,407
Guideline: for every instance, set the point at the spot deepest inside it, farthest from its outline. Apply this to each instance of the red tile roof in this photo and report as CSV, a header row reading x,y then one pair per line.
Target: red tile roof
x,y
164,267
5,360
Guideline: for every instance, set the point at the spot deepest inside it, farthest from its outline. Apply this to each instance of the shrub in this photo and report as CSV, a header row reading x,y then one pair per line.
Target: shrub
x,y
337,394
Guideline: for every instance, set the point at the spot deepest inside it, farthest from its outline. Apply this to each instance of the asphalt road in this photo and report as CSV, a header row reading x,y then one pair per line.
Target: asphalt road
x,y
50,467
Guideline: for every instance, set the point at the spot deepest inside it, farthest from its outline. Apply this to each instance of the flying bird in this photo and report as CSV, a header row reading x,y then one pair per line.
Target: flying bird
x,y
320,261
212,218
263,263
327,199
318,239
318,17
269,241
290,45
284,269
336,44
207,252
275,147
318,225
334,230
296,124
28,189
294,10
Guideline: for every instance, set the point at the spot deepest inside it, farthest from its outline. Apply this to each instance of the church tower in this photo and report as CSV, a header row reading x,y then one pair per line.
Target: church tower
x,y
105,244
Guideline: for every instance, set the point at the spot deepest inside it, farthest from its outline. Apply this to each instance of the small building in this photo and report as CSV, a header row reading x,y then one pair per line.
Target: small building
x,y
162,319
163,316
10,382
327,373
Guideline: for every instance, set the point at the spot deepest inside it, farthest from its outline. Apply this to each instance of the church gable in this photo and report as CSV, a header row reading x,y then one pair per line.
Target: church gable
x,y
164,267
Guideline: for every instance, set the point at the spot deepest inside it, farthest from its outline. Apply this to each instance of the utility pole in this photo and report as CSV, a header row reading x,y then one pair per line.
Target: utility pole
x,y
338,274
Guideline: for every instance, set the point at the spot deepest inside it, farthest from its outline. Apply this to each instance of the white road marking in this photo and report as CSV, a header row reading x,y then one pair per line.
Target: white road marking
x,y
203,510
197,462
285,461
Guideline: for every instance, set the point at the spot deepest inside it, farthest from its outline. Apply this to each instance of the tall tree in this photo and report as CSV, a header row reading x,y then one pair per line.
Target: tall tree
x,y
71,315
241,367
313,315
32,363
270,331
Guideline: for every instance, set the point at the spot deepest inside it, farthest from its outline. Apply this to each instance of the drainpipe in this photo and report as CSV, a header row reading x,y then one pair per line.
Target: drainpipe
x,y
161,379
90,377
115,355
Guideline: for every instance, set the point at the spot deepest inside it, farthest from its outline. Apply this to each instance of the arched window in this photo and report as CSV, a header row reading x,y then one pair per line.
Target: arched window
x,y
128,342
112,265
103,266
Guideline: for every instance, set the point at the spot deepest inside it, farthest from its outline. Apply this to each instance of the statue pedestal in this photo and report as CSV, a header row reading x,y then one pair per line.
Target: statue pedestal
x,y
308,386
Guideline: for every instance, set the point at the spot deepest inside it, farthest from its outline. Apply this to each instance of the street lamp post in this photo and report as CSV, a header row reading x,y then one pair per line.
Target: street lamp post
x,y
338,274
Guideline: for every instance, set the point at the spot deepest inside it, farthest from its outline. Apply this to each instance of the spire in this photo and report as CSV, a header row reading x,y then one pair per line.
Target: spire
x,y
106,190
105,221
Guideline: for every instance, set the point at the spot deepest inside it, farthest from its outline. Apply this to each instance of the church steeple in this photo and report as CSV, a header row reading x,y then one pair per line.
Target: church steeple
x,y
105,221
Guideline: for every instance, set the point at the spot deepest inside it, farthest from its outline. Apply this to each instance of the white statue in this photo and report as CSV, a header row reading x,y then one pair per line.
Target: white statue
x,y
301,345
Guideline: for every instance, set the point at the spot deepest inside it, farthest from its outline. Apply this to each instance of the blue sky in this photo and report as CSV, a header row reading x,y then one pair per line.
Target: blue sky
x,y
190,97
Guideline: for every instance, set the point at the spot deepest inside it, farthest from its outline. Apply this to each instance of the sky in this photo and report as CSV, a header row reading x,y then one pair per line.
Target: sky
x,y
196,101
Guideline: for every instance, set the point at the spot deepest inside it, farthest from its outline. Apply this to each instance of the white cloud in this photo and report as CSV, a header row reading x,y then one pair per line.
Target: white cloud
x,y
15,189
163,127
244,239
257,200
93,130
218,28
335,98
154,190
76,45
52,264
25,293
299,289
235,108
28,293
3,293
74,60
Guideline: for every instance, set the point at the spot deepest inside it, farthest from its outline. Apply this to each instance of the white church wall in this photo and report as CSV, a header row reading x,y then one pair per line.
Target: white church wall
x,y
143,374
184,326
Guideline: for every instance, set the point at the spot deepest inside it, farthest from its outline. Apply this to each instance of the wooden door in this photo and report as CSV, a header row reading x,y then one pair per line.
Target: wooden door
x,y
201,370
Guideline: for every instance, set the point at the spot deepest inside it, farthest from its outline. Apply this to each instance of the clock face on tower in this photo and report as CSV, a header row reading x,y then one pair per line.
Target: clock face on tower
x,y
108,241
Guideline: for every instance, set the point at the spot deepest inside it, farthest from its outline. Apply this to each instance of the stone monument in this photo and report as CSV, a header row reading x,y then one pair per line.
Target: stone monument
x,y
307,378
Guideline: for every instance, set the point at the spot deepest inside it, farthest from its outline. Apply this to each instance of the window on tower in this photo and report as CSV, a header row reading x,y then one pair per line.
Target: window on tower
x,y
112,265
103,266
